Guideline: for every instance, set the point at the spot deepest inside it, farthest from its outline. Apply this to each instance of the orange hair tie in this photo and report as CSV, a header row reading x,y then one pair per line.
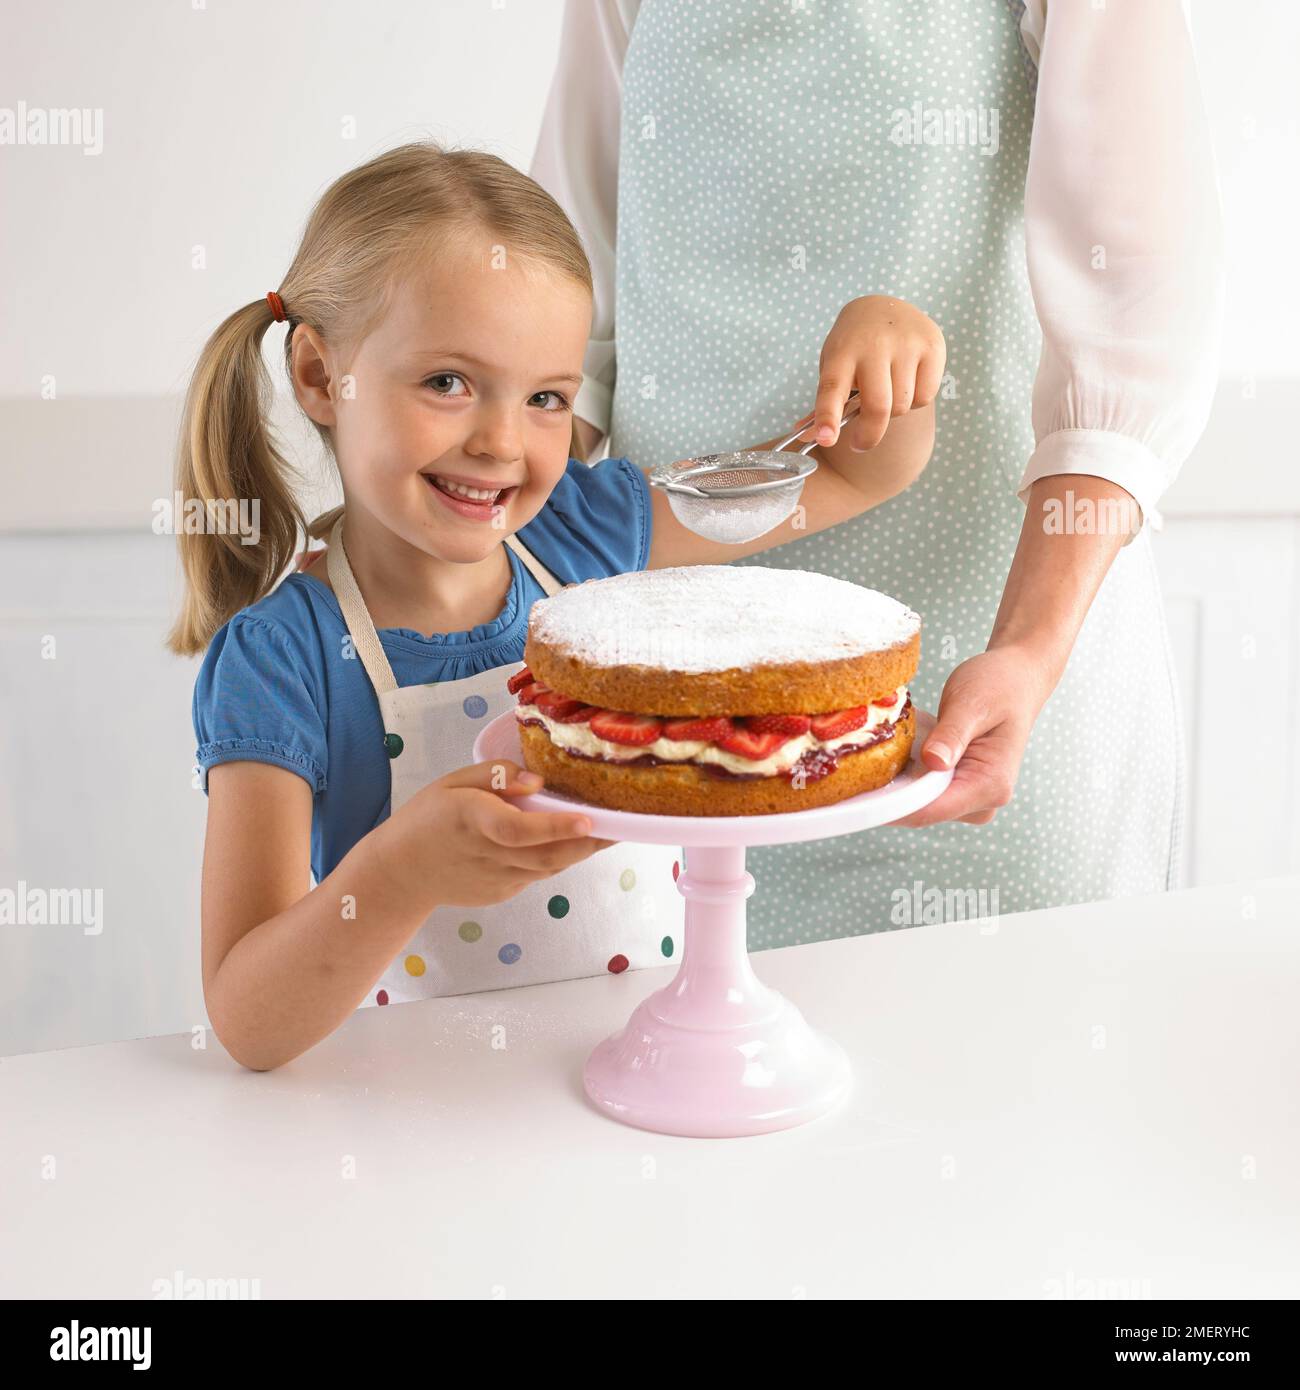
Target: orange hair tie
x,y
277,306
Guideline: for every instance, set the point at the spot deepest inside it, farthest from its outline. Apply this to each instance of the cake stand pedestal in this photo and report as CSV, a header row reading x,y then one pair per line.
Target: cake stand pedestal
x,y
716,1053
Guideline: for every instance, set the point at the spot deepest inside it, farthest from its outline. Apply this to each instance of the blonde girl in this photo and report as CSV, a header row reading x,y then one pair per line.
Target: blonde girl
x,y
437,312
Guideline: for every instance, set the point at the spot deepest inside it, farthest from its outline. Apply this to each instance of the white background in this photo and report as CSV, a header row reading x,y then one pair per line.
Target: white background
x,y
222,123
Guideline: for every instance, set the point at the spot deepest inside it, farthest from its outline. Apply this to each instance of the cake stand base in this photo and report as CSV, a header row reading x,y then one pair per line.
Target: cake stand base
x,y
716,1053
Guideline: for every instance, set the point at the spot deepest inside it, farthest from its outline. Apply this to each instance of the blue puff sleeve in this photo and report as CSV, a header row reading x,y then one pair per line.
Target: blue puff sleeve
x,y
256,700
595,523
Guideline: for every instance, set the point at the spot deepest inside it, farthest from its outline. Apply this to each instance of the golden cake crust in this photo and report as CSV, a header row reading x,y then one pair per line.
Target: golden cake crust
x,y
792,688
683,790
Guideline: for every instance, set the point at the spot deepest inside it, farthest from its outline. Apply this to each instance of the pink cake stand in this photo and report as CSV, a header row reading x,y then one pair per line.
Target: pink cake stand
x,y
716,1053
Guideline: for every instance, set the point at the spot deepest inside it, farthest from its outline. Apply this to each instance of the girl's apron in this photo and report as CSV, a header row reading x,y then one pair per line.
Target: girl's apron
x,y
775,162
619,910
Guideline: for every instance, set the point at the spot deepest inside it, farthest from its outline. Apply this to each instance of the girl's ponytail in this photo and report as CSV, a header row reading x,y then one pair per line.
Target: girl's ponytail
x,y
228,466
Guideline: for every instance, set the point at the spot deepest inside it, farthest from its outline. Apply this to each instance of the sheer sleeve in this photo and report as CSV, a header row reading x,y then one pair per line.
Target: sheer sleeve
x,y
1124,244
576,161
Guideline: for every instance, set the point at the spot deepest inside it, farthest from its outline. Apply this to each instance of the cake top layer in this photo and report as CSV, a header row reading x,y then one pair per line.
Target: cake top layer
x,y
719,618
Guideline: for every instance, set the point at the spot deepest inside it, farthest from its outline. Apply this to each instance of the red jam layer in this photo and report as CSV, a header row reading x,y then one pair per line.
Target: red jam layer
x,y
815,762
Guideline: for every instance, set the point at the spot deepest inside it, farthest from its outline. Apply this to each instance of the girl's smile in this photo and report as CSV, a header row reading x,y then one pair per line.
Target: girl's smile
x,y
478,500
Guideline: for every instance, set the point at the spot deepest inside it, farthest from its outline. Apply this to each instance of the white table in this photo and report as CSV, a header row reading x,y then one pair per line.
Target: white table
x,y
1090,1100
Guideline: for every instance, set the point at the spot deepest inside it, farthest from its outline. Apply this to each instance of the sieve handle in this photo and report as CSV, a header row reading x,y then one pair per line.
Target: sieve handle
x,y
812,444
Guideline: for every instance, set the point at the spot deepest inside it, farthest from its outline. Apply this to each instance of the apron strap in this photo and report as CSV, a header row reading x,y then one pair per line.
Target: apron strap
x,y
357,616
550,585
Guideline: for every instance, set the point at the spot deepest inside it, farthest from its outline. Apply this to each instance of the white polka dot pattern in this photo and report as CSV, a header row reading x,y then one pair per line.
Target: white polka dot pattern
x,y
760,190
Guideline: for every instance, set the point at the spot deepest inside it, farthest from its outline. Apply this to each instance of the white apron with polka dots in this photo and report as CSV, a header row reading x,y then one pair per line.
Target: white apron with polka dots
x,y
619,910
769,172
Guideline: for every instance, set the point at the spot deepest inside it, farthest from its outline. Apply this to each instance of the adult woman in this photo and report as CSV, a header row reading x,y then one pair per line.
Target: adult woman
x,y
772,162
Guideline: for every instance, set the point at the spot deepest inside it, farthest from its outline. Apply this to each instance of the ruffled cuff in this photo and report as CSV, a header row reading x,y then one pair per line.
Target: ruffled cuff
x,y
1102,454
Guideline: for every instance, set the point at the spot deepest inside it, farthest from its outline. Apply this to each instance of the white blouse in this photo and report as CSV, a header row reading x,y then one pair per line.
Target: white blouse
x,y
1123,229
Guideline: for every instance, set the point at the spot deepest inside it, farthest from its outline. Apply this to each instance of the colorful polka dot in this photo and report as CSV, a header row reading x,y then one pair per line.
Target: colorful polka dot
x,y
617,965
558,905
509,953
393,745
415,965
475,706
381,997
666,946
627,880
469,931
677,868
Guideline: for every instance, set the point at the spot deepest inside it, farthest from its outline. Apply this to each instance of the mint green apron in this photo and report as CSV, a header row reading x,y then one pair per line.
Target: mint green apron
x,y
768,173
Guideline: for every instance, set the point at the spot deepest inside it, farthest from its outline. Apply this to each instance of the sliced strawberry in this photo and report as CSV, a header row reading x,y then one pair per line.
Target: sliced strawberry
x,y
840,721
885,701
706,730
617,727
520,679
791,725
528,694
580,715
552,702
747,743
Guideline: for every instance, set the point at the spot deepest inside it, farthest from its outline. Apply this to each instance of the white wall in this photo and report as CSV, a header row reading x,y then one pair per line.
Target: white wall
x,y
224,119
221,123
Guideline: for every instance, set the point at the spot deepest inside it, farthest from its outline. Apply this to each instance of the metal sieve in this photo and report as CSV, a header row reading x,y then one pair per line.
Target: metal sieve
x,y
736,497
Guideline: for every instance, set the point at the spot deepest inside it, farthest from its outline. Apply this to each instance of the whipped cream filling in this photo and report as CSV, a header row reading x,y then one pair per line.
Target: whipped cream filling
x,y
579,738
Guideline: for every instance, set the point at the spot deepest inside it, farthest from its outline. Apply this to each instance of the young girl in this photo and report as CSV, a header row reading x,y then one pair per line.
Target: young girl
x,y
437,315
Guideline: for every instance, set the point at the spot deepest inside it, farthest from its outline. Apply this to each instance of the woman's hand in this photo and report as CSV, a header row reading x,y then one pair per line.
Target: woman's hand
x,y
461,841
986,712
892,353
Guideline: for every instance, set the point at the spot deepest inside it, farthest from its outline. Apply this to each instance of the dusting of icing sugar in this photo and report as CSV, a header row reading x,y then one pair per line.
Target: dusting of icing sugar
x,y
719,618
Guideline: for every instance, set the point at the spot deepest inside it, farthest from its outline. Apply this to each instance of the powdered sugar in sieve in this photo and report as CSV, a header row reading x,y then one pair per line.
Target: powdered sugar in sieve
x,y
737,497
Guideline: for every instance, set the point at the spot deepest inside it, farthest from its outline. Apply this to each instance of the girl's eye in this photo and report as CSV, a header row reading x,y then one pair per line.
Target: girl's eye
x,y
442,382
560,402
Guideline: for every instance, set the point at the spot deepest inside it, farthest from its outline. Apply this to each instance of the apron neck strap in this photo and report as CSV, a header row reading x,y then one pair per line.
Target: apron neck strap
x,y
357,616
550,585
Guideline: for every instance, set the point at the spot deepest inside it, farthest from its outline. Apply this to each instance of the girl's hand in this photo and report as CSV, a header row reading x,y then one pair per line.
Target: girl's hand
x,y
986,712
892,352
460,842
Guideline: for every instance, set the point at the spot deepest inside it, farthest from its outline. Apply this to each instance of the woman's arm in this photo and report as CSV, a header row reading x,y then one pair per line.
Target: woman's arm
x,y
991,701
1057,571
283,963
1124,244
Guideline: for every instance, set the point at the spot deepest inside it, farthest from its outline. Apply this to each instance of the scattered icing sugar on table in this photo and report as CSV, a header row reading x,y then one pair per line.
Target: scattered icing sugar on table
x,y
720,618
